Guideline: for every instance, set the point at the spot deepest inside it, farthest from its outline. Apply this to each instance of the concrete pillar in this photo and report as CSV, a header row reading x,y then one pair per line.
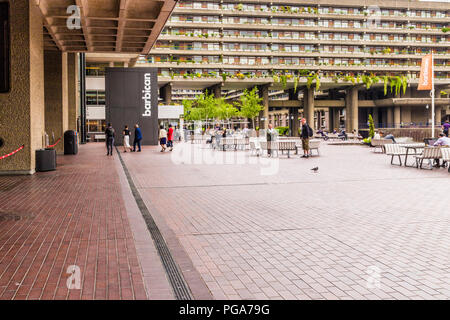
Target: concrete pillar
x,y
264,94
216,90
166,93
308,107
72,87
397,116
406,114
336,118
351,105
56,97
390,117
295,122
438,115
330,120
22,109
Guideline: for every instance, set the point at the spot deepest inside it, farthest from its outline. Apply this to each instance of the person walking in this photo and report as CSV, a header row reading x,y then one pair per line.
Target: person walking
x,y
137,138
307,132
270,136
109,135
446,127
170,138
126,139
162,138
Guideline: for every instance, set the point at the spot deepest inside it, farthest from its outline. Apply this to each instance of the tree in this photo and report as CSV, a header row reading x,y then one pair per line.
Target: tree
x,y
250,104
204,107
371,127
225,110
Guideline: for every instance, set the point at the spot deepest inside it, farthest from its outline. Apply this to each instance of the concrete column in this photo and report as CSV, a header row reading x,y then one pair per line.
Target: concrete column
x,y
336,118
216,90
56,97
73,94
264,93
308,107
351,105
390,116
438,115
22,109
406,114
166,93
397,116
295,122
330,119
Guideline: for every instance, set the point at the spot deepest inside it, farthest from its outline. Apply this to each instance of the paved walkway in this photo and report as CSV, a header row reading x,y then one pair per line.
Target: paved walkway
x,y
81,215
238,227
359,228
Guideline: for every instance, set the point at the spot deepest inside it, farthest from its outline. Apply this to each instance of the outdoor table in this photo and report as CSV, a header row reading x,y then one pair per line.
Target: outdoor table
x,y
410,147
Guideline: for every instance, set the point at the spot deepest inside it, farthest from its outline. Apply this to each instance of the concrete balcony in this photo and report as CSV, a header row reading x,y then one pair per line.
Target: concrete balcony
x,y
303,15
179,82
263,39
315,28
357,68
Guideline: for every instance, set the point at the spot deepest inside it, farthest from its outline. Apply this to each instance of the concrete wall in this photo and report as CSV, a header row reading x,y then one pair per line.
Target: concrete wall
x,y
22,109
73,93
56,97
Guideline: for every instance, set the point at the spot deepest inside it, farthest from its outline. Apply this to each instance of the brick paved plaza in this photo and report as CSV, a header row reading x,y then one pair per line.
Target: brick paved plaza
x,y
359,228
304,235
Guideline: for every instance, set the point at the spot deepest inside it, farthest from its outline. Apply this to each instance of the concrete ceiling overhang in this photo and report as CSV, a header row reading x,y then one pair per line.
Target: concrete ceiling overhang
x,y
106,26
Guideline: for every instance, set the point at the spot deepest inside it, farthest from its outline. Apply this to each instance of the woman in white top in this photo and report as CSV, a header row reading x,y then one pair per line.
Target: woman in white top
x,y
162,138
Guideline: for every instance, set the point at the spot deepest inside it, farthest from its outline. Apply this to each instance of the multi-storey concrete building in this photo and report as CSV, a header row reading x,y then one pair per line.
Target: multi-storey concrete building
x,y
347,46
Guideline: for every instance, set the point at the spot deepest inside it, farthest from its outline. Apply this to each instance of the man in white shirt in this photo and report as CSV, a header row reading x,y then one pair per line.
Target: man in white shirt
x,y
442,141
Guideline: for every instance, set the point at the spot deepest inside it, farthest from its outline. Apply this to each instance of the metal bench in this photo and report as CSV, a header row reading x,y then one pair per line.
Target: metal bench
x,y
287,146
314,144
430,154
380,143
395,150
445,153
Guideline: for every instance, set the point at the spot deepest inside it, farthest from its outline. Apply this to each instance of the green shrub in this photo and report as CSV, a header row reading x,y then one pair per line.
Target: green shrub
x,y
367,140
282,131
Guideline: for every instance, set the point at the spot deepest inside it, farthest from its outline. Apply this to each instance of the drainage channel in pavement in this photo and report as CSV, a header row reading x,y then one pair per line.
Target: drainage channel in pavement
x,y
174,274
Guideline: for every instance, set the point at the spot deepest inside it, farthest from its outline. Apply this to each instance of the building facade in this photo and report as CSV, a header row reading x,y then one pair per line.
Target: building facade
x,y
349,54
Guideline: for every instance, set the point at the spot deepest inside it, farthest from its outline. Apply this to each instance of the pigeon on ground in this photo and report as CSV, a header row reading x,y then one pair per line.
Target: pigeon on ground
x,y
315,169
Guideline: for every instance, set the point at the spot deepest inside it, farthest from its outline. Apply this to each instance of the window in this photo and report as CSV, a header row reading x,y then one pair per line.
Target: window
x,y
94,97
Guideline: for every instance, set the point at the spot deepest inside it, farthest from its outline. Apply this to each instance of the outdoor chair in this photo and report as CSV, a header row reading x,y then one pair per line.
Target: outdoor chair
x,y
445,152
430,154
380,143
395,150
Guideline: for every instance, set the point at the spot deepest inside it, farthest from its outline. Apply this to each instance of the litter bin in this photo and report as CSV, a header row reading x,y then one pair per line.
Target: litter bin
x,y
45,160
70,142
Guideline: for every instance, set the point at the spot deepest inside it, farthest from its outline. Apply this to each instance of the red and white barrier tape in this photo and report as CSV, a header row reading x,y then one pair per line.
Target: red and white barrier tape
x,y
12,153
54,144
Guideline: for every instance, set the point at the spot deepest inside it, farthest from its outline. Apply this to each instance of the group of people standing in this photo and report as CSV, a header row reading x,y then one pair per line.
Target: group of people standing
x,y
166,138
110,136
